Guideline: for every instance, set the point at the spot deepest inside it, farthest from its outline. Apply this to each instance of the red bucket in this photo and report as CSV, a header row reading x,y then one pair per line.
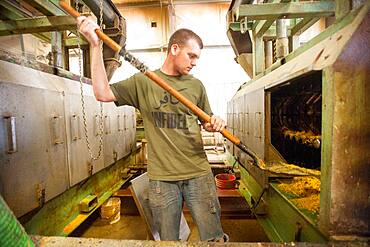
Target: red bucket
x,y
225,181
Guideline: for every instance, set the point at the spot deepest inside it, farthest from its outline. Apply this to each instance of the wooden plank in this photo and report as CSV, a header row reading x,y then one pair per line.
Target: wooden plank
x,y
291,10
37,25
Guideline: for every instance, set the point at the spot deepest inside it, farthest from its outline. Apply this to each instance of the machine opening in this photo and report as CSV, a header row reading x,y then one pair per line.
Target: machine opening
x,y
296,120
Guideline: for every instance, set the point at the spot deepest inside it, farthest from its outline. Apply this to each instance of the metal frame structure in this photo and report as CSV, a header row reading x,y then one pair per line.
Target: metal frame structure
x,y
339,56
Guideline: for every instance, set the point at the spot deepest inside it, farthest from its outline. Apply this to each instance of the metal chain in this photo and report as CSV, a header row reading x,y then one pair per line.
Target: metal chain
x,y
101,126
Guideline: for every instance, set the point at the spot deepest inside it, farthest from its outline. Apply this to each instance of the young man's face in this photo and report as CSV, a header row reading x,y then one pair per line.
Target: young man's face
x,y
186,57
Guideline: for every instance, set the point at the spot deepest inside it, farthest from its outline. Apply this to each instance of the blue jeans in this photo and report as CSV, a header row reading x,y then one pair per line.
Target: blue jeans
x,y
166,202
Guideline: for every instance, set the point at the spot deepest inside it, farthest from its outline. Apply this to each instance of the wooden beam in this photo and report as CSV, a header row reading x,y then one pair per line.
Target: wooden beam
x,y
37,25
303,25
268,11
47,7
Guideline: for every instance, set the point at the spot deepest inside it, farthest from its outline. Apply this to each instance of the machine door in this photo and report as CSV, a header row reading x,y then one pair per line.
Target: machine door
x,y
33,160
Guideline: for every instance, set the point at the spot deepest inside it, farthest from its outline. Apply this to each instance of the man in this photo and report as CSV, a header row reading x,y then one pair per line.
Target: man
x,y
177,165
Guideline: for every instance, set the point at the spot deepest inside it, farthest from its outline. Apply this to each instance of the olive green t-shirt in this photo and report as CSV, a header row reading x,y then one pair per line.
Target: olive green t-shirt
x,y
175,148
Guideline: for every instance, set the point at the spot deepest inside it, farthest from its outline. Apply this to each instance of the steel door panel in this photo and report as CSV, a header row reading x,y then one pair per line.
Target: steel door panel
x,y
93,124
256,138
79,162
38,164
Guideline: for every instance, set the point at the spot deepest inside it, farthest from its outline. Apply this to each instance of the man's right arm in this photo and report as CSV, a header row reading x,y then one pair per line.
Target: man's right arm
x,y
102,90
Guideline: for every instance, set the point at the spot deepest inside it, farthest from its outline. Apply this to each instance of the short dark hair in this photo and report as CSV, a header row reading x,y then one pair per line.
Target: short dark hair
x,y
181,37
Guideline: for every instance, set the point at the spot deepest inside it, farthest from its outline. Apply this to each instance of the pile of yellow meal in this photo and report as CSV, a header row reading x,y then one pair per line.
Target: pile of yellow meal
x,y
306,190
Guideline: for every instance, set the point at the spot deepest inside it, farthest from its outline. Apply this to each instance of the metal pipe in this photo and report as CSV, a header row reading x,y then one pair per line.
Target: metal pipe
x,y
282,42
56,49
268,54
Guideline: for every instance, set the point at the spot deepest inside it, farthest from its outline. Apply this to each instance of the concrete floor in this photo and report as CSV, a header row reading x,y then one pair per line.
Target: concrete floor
x,y
133,227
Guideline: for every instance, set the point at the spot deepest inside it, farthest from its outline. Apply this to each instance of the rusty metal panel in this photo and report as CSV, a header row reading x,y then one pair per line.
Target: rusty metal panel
x,y
33,160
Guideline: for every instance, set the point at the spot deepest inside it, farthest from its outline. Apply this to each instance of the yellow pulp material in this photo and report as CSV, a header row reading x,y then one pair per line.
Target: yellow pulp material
x,y
289,169
306,190
311,203
304,136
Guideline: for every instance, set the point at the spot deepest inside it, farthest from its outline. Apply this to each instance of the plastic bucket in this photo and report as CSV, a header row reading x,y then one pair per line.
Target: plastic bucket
x,y
110,211
225,181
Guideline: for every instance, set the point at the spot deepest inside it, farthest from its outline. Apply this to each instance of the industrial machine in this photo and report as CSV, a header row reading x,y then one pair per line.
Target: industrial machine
x,y
305,109
43,140
304,114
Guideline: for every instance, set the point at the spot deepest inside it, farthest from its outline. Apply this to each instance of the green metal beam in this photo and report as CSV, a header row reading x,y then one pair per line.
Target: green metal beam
x,y
343,7
235,26
13,13
46,7
37,25
270,11
303,25
258,55
73,42
263,26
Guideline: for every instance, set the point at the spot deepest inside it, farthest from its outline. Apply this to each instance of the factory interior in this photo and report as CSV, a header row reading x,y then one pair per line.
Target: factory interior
x,y
291,79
